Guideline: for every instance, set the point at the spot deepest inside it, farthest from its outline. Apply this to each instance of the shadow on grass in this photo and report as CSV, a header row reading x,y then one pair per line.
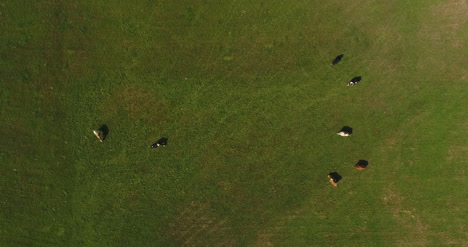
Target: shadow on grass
x,y
347,129
354,81
337,59
105,131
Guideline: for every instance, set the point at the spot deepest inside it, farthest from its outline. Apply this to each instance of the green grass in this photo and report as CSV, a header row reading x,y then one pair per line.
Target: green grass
x,y
245,93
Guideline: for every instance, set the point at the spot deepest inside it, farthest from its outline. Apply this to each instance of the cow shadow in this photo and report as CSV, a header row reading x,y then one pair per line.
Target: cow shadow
x,y
347,129
356,79
105,131
335,176
337,59
163,141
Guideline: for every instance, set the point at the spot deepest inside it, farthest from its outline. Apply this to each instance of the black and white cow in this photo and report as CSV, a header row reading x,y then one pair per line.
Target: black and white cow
x,y
345,131
160,143
354,81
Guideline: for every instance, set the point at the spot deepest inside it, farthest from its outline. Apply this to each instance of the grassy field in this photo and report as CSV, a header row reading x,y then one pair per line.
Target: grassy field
x,y
246,96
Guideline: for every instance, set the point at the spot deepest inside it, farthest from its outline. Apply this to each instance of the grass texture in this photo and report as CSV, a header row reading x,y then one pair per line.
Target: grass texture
x,y
246,96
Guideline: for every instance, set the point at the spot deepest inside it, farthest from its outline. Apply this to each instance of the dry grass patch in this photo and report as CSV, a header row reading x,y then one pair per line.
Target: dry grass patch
x,y
198,225
268,236
416,231
451,16
443,35
137,103
457,153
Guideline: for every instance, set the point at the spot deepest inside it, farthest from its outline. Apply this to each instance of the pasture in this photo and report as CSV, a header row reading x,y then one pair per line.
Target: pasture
x,y
245,93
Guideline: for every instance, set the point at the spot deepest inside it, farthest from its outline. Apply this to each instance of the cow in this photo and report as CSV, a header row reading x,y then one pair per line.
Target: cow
x,y
99,134
334,178
361,164
337,59
160,143
345,131
354,81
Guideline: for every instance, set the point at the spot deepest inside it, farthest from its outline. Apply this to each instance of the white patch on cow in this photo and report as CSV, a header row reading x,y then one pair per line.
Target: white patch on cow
x,y
342,133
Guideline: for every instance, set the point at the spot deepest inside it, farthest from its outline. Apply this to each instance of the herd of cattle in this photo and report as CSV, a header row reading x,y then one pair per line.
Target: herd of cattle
x,y
346,131
334,177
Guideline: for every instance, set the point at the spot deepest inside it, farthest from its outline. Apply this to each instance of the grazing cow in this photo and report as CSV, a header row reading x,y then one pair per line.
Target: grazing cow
x,y
99,134
343,133
160,143
361,165
354,81
102,132
334,178
337,59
